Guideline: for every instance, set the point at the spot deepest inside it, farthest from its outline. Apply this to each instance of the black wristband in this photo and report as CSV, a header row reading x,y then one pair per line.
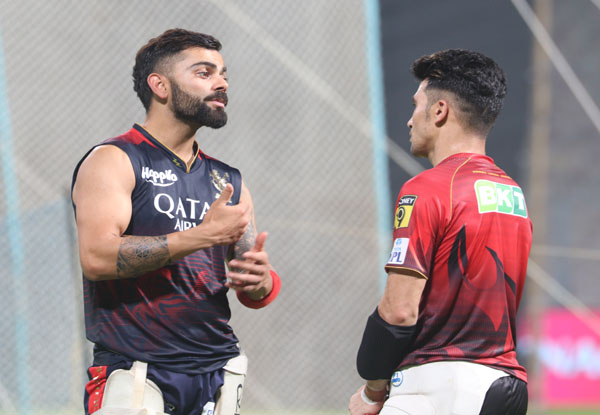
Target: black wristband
x,y
382,348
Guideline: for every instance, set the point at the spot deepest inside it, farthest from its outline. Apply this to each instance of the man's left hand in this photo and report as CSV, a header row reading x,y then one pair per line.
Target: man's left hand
x,y
252,274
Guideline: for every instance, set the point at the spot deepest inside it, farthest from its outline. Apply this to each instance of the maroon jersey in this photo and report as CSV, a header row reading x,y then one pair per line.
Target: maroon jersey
x,y
464,226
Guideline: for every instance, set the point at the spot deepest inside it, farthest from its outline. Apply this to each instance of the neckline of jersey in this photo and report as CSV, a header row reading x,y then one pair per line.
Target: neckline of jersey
x,y
467,155
175,158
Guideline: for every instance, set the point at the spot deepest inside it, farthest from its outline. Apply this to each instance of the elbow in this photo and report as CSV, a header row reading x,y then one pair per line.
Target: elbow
x,y
399,316
94,269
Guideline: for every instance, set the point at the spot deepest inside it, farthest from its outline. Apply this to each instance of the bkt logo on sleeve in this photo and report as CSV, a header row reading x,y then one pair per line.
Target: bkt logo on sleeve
x,y
501,198
162,179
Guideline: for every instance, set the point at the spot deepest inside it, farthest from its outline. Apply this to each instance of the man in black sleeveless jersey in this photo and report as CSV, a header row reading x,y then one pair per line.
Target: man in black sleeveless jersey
x,y
157,219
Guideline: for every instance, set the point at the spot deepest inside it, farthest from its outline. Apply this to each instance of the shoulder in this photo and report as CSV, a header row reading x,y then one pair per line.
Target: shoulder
x,y
115,148
216,163
104,162
221,171
133,137
431,183
105,156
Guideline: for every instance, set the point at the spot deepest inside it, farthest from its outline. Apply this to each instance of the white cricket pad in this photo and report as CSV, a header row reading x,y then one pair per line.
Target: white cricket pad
x,y
129,392
229,396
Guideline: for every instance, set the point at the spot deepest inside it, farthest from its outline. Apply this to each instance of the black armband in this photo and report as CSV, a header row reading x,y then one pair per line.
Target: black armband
x,y
382,348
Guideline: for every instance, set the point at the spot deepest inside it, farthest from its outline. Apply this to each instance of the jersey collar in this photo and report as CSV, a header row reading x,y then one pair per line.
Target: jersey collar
x,y
466,156
178,161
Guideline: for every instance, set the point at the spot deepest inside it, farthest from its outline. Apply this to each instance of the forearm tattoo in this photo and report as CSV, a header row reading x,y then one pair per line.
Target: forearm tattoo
x,y
140,254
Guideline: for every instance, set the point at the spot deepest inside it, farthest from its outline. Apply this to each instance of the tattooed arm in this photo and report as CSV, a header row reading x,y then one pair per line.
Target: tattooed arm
x,y
249,270
140,254
247,241
102,197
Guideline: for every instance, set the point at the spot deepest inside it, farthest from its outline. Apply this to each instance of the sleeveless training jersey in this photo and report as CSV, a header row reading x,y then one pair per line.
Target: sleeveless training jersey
x,y
177,316
464,226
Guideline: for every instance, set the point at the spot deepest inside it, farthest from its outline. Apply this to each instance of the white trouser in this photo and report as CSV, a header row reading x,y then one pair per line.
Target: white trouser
x,y
440,388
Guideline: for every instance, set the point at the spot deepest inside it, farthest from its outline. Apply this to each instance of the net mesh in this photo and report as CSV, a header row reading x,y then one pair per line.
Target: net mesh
x,y
299,130
298,99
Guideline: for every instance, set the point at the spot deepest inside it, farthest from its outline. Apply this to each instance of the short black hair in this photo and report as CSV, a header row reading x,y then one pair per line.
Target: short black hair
x,y
477,82
158,50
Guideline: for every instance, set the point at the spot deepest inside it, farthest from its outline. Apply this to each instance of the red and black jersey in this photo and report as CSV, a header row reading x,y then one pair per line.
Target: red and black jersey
x,y
464,226
177,316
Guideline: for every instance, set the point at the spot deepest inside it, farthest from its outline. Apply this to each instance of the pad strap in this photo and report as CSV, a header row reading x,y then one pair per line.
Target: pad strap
x,y
139,383
250,303
382,348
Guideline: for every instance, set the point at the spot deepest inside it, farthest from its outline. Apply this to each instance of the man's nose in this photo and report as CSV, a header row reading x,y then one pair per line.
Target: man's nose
x,y
221,84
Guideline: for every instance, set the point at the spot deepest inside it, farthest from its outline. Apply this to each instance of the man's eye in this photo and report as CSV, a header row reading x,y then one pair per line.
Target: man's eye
x,y
203,74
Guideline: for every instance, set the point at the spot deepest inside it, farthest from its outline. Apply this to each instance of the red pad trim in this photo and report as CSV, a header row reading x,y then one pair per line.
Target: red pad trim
x,y
250,303
95,387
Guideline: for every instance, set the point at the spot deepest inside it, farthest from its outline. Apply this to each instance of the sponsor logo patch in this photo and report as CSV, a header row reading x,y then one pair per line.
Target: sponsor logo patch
x,y
161,179
397,378
404,211
501,198
398,251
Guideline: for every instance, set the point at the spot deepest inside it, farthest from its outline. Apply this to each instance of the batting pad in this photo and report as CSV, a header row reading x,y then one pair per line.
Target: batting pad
x,y
229,396
128,392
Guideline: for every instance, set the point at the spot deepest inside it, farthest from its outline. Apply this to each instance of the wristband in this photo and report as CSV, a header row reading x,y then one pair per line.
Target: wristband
x,y
250,303
366,399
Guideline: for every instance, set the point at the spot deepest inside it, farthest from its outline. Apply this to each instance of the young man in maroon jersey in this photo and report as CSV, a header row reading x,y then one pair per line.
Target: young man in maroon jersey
x,y
157,219
442,339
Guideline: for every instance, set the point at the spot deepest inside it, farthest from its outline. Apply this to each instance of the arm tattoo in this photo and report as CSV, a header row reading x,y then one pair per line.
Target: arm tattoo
x,y
140,254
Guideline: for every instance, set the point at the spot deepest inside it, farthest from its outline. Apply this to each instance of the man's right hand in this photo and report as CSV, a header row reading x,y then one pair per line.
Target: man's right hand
x,y
226,224
360,404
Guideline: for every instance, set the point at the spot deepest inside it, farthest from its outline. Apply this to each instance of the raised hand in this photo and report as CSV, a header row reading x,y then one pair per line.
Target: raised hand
x,y
227,223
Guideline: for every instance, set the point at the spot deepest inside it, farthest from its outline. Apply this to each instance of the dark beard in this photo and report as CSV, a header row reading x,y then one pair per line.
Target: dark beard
x,y
193,110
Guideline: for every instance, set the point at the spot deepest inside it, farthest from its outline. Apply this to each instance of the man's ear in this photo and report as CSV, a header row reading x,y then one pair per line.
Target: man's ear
x,y
159,85
439,111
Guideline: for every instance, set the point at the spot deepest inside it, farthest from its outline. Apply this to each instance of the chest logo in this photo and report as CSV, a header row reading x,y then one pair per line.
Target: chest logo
x,y
404,211
218,181
161,179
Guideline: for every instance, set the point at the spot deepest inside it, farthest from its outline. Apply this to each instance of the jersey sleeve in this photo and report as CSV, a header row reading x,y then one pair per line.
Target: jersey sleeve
x,y
418,220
